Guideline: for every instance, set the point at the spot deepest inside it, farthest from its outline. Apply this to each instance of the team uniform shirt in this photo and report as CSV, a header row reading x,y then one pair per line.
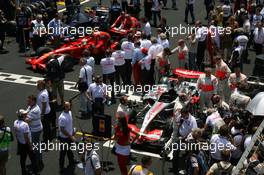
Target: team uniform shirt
x,y
242,41
227,10
43,97
186,125
90,62
108,65
220,142
97,91
128,47
215,121
154,50
86,77
201,34
207,84
222,71
247,141
139,170
145,43
65,120
119,57
259,35
92,163
21,128
34,114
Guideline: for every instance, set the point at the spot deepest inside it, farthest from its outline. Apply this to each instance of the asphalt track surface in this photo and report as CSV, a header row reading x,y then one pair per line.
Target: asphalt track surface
x,y
13,97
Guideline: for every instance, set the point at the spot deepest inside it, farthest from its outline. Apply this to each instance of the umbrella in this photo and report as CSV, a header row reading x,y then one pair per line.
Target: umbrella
x,y
256,105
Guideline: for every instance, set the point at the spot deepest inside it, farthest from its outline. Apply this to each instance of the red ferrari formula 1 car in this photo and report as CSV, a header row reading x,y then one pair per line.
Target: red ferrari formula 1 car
x,y
97,43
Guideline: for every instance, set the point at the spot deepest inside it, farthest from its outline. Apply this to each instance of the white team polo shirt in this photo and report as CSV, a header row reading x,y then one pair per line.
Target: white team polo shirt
x,y
91,158
65,120
119,57
128,47
43,97
154,50
108,65
21,128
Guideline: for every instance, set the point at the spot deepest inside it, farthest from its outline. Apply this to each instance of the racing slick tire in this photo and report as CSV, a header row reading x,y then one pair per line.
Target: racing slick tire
x,y
42,50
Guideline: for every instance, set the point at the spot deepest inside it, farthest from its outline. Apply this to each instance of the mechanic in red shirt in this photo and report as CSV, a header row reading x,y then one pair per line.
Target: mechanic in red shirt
x,y
125,22
122,145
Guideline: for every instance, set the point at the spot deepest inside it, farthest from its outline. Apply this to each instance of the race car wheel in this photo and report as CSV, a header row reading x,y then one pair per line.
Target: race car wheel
x,y
43,50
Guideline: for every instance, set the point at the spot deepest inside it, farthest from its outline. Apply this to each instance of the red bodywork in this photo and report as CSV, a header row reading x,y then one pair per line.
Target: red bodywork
x,y
187,73
97,43
128,27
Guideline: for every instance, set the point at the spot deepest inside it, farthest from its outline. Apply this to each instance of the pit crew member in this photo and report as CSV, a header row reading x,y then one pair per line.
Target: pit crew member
x,y
207,84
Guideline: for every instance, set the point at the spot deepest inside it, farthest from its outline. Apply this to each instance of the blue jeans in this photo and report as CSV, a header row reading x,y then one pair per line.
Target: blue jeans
x,y
155,15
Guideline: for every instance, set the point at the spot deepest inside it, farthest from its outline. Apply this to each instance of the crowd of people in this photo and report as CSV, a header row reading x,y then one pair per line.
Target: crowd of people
x,y
142,58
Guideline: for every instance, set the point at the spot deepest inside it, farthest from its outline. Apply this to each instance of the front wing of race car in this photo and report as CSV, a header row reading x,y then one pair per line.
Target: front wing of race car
x,y
151,141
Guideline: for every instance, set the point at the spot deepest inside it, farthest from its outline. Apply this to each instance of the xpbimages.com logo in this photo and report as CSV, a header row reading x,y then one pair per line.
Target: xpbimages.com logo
x,y
59,146
183,30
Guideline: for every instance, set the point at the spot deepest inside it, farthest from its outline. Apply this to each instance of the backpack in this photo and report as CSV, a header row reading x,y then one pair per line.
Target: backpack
x,y
222,171
203,162
54,70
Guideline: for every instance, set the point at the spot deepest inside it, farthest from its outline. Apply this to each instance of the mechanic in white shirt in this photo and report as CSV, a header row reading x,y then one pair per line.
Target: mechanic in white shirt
x,y
258,38
86,74
90,60
164,41
34,120
24,142
108,69
147,28
97,93
153,51
120,68
145,43
128,47
66,135
55,30
219,142
43,103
